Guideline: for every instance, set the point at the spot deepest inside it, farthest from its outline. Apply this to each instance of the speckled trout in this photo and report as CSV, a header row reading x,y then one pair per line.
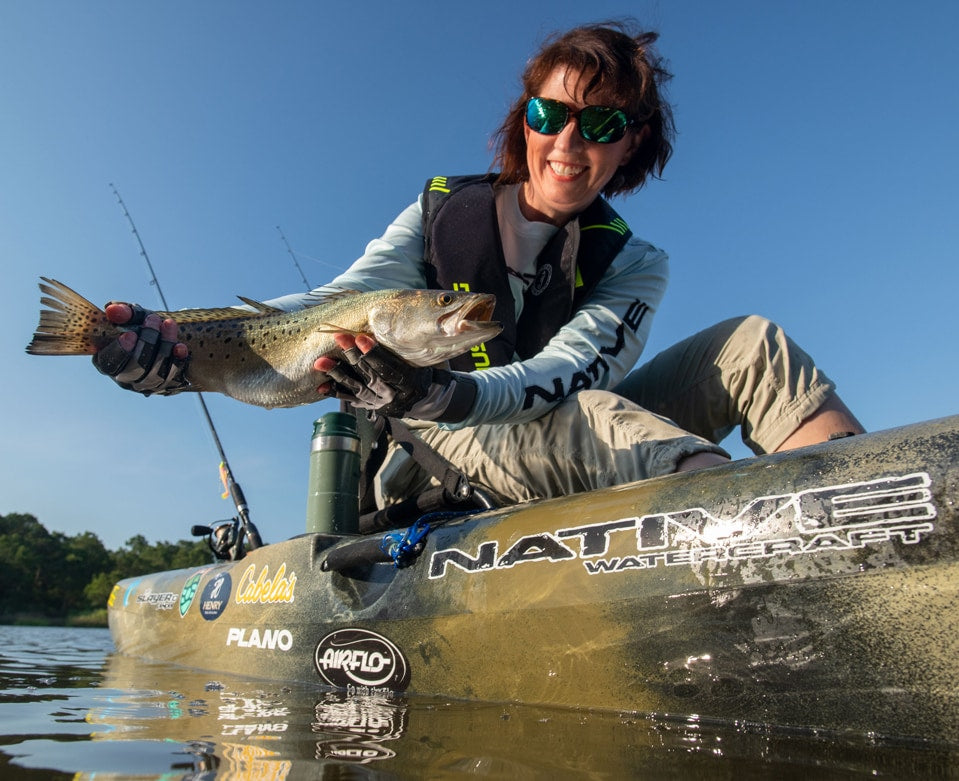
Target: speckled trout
x,y
265,356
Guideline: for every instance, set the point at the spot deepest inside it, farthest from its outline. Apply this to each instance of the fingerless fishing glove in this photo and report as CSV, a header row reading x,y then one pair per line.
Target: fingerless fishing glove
x,y
150,368
382,381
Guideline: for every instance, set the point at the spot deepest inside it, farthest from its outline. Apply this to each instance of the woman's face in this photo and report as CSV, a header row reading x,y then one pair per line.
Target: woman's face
x,y
567,172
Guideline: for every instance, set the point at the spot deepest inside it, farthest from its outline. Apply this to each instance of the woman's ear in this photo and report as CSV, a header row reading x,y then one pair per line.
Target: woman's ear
x,y
636,140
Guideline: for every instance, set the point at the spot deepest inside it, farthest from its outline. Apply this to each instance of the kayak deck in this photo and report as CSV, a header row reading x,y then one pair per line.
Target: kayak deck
x,y
816,588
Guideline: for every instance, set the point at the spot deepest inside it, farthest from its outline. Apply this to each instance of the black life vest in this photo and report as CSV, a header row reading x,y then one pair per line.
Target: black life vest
x,y
464,251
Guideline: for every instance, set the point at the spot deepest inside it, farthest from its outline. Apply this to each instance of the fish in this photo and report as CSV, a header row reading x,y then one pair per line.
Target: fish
x,y
263,355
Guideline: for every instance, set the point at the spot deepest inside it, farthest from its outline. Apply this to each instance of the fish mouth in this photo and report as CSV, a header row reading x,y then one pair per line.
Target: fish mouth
x,y
472,315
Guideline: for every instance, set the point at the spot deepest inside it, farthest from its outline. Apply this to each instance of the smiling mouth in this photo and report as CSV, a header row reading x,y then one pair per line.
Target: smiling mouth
x,y
565,169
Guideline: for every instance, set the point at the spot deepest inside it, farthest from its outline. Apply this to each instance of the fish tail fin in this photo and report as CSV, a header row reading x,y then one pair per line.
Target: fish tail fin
x,y
70,325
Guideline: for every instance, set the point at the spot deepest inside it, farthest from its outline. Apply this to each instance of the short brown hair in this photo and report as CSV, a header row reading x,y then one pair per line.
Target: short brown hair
x,y
612,59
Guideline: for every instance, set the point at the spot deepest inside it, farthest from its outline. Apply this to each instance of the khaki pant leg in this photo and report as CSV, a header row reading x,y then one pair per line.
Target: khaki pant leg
x,y
742,372
594,439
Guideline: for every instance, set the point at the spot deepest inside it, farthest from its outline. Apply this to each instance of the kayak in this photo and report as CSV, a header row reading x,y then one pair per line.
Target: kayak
x,y
814,589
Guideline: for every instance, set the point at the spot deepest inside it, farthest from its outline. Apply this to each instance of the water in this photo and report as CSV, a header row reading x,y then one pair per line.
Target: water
x,y
72,709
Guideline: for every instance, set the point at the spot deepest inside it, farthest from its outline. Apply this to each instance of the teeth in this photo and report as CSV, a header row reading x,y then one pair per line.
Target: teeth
x,y
563,169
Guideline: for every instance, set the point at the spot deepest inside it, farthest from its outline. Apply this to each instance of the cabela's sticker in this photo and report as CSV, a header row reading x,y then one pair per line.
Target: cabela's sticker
x,y
263,589
834,518
215,596
358,657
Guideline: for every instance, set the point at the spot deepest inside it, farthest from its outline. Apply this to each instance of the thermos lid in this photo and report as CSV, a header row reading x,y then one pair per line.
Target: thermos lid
x,y
335,431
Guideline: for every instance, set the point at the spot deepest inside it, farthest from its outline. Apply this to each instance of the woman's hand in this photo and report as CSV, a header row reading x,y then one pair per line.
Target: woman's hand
x,y
372,377
146,358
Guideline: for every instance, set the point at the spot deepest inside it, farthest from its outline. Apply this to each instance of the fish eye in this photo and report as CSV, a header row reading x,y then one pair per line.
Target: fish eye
x,y
445,299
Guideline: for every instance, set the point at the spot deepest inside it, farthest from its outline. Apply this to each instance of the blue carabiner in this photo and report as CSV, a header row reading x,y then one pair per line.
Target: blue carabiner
x,y
401,545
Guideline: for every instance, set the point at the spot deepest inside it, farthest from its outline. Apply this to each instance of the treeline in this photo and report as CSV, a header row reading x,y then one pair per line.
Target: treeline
x,y
50,577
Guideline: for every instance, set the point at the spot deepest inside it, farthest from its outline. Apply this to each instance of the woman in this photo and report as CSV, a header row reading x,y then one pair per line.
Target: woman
x,y
549,407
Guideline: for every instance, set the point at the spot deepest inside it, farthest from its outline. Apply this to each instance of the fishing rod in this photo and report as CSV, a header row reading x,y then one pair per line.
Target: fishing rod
x,y
248,529
295,261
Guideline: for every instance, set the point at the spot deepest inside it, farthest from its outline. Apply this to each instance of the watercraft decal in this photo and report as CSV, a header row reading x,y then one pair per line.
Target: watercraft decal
x,y
264,590
188,592
215,596
833,518
113,595
160,600
131,590
361,662
267,639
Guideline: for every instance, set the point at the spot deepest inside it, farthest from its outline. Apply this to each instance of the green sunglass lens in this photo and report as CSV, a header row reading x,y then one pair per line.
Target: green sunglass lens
x,y
602,125
546,116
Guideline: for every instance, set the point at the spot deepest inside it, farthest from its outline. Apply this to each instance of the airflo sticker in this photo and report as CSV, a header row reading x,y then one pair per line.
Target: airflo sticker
x,y
352,658
835,518
215,596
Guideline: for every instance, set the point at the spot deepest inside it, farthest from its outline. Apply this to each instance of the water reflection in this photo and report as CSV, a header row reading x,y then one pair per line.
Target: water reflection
x,y
250,729
70,710
356,727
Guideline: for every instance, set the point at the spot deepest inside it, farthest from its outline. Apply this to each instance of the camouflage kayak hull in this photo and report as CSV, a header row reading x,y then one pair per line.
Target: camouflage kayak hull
x,y
813,589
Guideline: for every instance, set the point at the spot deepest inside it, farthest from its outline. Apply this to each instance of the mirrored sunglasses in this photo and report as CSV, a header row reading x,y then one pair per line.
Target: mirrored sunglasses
x,y
599,124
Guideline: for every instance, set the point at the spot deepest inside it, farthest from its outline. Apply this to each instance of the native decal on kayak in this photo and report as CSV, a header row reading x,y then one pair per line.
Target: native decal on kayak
x,y
357,657
268,639
215,596
835,518
263,589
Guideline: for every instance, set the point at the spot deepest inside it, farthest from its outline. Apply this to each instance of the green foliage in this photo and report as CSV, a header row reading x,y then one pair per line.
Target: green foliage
x,y
48,575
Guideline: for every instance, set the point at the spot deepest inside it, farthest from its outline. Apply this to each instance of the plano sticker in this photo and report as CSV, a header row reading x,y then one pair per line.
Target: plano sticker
x,y
265,639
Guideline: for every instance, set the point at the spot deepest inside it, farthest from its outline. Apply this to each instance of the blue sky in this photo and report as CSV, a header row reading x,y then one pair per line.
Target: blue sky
x,y
813,181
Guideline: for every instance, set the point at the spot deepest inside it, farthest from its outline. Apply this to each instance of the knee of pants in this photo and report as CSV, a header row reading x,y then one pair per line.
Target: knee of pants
x,y
591,402
751,329
758,341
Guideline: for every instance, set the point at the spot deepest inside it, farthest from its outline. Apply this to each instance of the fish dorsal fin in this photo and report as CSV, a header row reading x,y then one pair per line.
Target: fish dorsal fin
x,y
209,315
260,307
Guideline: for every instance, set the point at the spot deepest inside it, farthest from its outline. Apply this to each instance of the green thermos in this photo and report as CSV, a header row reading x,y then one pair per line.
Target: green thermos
x,y
333,505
